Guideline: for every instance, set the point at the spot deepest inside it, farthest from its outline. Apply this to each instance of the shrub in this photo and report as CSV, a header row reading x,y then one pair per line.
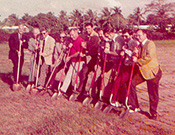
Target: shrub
x,y
4,36
156,35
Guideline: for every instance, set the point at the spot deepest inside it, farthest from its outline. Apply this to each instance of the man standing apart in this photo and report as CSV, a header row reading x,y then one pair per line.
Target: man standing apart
x,y
149,71
46,56
14,45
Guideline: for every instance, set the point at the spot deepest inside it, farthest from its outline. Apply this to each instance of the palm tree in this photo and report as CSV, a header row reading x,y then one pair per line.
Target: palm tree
x,y
26,17
63,16
63,20
117,12
90,16
76,18
137,16
106,17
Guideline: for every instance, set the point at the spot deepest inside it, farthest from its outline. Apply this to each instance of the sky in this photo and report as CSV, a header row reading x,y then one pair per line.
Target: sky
x,y
33,7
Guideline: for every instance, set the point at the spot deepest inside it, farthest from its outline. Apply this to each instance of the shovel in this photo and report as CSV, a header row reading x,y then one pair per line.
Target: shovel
x,y
109,107
126,112
34,91
98,105
74,96
57,93
89,99
29,87
16,86
54,68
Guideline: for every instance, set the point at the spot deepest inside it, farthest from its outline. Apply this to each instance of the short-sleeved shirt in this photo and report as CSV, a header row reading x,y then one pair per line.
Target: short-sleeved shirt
x,y
77,48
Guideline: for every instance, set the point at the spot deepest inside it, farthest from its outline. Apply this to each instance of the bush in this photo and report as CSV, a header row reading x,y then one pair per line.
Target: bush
x,y
4,36
156,35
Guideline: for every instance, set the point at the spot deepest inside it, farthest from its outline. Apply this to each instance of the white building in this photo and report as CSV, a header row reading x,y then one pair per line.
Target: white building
x,y
14,28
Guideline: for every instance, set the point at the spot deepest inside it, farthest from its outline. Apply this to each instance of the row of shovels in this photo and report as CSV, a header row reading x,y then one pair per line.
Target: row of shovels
x,y
33,88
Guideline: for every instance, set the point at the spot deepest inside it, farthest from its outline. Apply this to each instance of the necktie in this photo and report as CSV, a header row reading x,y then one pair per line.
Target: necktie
x,y
43,45
140,47
112,46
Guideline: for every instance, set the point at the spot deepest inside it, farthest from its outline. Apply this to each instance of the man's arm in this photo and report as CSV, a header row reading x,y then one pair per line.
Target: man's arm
x,y
150,54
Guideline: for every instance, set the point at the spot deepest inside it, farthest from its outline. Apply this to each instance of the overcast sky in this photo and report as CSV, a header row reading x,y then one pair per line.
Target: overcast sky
x,y
33,7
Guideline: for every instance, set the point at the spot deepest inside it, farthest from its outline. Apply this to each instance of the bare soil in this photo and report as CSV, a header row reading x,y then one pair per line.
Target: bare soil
x,y
22,113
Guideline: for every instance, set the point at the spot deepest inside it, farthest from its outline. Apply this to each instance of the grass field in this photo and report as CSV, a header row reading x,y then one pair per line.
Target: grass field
x,y
22,113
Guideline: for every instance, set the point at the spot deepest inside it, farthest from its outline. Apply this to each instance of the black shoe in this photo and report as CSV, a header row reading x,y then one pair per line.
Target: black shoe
x,y
153,116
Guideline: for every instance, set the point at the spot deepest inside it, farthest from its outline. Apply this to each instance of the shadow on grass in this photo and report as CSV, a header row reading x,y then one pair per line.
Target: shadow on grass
x,y
7,78
145,113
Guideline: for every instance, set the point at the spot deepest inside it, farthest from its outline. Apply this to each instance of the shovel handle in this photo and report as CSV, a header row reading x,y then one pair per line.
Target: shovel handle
x,y
102,77
39,63
76,80
130,80
118,70
55,65
59,85
19,61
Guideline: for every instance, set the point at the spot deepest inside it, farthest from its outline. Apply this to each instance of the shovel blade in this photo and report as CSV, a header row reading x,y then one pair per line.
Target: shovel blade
x,y
28,88
73,97
124,114
34,91
99,105
54,96
16,87
107,109
87,101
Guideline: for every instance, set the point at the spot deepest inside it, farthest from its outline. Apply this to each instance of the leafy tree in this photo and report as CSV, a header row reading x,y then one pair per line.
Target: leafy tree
x,y
162,12
11,20
26,18
63,20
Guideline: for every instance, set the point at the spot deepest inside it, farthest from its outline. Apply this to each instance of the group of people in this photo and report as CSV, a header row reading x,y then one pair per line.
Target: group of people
x,y
122,61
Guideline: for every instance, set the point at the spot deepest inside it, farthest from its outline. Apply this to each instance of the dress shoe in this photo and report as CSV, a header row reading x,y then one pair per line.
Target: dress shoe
x,y
153,116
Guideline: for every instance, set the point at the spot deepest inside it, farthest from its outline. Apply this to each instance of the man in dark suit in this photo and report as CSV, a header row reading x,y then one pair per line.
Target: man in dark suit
x,y
148,70
14,45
